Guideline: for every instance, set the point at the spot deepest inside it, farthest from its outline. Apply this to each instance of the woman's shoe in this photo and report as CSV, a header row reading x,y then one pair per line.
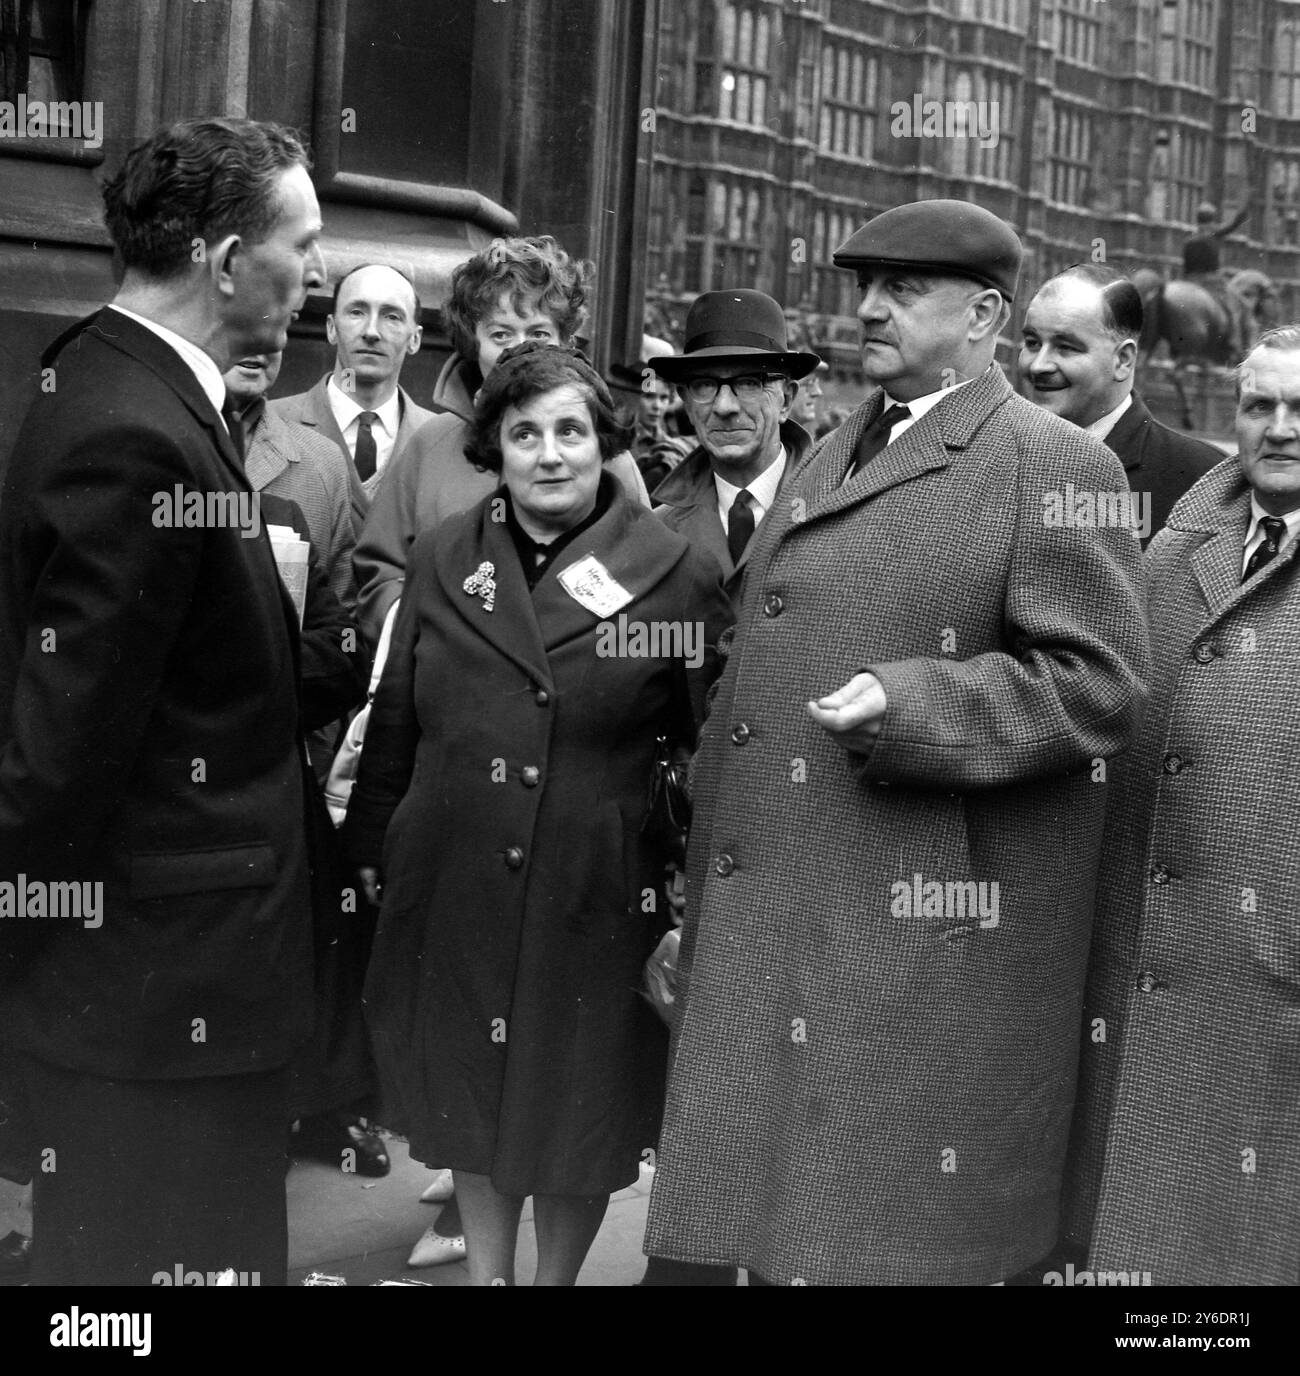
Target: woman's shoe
x,y
435,1250
441,1189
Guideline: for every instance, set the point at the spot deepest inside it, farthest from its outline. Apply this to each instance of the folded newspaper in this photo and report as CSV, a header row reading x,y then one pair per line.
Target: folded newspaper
x,y
291,559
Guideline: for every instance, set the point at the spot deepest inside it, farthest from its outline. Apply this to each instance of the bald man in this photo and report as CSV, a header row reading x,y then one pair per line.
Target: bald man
x,y
361,406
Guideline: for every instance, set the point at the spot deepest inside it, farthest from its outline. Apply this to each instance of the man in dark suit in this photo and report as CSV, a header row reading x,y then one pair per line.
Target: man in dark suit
x,y
738,381
1078,358
151,766
361,406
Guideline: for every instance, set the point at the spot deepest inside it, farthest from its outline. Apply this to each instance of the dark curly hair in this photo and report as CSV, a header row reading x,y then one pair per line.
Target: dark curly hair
x,y
198,179
526,268
530,370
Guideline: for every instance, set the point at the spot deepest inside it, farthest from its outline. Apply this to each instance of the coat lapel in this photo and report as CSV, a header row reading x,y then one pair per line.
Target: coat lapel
x,y
121,332
266,460
629,543
1218,507
511,626
1129,437
691,494
923,448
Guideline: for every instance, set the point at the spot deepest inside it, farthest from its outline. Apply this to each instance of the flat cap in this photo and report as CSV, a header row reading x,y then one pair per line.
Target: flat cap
x,y
944,236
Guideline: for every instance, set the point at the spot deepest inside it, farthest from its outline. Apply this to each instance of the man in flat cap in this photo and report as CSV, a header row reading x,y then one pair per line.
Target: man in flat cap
x,y
898,805
738,381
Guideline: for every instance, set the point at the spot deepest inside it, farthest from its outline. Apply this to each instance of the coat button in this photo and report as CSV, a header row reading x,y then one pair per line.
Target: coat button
x,y
530,776
1174,764
724,865
543,697
514,858
1160,874
1148,983
773,604
741,734
1203,653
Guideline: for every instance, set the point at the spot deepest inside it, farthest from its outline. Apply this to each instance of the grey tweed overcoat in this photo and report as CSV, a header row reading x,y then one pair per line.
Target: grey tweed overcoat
x,y
1187,1138
866,1088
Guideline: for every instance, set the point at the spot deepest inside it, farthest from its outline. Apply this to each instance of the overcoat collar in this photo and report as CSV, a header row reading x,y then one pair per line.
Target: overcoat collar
x,y
267,453
1218,507
924,447
690,490
454,390
636,550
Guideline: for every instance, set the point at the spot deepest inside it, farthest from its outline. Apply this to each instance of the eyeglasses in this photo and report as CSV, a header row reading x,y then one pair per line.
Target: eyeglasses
x,y
704,390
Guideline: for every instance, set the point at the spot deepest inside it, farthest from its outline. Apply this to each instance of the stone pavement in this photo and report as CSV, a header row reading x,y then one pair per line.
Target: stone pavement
x,y
364,1229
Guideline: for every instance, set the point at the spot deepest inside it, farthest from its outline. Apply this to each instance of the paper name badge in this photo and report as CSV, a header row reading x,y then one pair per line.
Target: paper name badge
x,y
589,583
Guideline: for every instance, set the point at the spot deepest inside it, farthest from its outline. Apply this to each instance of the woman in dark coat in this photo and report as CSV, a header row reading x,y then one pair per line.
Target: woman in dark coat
x,y
501,797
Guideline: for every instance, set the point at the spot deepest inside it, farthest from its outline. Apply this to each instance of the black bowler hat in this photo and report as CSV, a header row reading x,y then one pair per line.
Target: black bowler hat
x,y
739,326
953,237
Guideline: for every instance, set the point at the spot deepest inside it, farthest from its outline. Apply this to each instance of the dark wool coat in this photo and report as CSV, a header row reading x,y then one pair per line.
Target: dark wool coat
x,y
1158,460
1185,1155
687,501
862,1092
520,902
429,481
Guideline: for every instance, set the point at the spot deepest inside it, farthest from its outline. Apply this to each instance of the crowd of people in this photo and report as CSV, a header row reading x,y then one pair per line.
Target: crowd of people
x,y
977,955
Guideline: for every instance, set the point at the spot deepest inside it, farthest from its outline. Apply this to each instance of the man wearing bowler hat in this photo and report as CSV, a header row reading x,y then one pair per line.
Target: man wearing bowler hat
x,y
898,800
738,381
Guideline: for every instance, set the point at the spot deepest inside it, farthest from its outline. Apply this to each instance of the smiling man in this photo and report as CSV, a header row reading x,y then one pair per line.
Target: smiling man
x,y
738,381
149,739
924,679
1182,1159
361,405
1078,359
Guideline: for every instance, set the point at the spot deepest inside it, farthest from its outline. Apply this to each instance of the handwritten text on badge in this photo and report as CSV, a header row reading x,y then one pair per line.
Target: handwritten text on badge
x,y
589,583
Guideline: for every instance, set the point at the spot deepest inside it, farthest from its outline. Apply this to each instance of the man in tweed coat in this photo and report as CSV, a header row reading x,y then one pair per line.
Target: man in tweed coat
x,y
898,814
1184,1161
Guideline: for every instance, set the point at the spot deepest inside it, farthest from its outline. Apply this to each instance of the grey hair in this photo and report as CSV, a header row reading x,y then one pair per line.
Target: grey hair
x,y
1281,337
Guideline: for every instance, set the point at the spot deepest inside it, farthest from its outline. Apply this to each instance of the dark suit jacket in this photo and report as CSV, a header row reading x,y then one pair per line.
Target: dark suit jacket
x,y
313,408
687,502
1158,460
149,735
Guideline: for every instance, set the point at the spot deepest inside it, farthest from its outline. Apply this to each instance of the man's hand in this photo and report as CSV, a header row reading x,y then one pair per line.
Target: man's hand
x,y
853,714
371,883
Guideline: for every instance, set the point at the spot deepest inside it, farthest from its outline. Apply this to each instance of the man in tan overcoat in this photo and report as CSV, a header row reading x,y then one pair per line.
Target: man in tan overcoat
x,y
1184,1167
898,810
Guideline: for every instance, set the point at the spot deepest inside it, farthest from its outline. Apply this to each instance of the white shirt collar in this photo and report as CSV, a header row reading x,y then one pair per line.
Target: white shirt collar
x,y
921,405
346,409
202,365
762,489
1257,514
1102,427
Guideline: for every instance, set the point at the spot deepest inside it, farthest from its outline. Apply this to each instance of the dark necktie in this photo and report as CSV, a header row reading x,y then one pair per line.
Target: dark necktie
x,y
366,454
235,426
874,438
1274,530
740,524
